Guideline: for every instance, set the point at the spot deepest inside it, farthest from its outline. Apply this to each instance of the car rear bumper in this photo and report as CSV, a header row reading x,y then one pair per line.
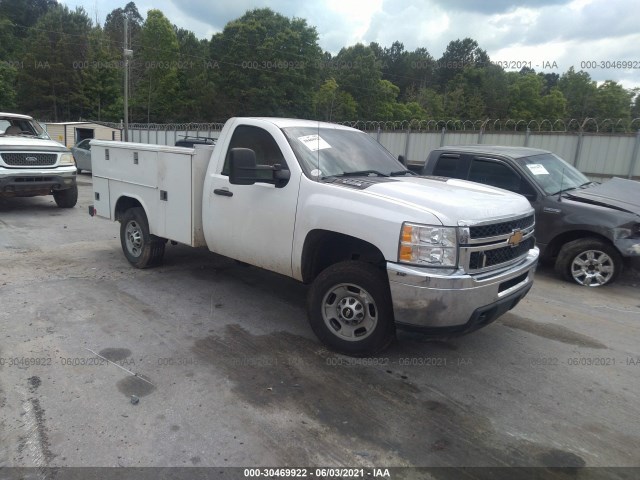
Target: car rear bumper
x,y
433,302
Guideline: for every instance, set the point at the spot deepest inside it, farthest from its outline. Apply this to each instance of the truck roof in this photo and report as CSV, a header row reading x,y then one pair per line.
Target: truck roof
x,y
507,151
15,115
296,122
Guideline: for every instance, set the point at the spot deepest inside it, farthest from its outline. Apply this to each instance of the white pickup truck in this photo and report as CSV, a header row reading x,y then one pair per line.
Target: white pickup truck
x,y
327,205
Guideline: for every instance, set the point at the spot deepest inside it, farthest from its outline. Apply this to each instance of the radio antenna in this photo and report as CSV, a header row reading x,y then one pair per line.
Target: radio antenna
x,y
318,154
561,186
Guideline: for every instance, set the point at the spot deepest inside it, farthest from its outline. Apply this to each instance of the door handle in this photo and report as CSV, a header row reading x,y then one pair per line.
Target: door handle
x,y
223,192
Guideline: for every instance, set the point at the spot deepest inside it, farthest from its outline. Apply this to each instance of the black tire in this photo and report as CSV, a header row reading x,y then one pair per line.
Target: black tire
x,y
142,249
66,198
78,171
359,290
589,262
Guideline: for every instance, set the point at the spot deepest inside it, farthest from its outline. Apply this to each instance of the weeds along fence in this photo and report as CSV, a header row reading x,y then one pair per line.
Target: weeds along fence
x,y
601,148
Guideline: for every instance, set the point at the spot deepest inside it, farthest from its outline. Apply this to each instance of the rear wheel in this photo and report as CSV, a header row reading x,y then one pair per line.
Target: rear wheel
x,y
350,309
78,171
589,262
66,198
142,249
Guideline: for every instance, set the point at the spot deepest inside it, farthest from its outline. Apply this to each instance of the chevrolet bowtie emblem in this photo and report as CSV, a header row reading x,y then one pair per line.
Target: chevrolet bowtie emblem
x,y
515,238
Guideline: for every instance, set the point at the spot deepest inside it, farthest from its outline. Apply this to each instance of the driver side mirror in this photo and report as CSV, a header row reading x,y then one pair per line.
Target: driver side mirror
x,y
242,166
244,171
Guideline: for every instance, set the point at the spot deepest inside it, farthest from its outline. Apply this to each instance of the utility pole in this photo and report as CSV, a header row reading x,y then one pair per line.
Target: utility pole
x,y
126,54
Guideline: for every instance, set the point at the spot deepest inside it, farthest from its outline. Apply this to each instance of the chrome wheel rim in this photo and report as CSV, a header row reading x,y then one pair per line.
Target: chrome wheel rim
x,y
592,268
349,312
134,238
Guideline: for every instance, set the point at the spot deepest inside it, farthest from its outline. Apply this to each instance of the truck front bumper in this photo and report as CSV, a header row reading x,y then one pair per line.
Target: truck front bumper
x,y
433,301
25,182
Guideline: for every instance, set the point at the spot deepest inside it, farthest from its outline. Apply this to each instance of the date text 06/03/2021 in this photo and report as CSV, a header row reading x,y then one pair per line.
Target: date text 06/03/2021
x,y
325,473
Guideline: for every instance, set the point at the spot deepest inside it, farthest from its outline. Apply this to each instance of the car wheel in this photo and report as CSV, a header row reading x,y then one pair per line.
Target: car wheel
x,y
66,198
589,262
78,170
350,309
141,249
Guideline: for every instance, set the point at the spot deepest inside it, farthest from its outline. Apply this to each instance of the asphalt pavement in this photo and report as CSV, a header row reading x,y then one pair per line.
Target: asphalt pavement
x,y
206,362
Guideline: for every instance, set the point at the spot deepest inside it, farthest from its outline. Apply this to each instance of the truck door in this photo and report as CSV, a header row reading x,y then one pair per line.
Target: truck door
x,y
498,173
255,223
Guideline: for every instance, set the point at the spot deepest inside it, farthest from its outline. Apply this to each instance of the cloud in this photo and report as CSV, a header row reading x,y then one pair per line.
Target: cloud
x,y
493,6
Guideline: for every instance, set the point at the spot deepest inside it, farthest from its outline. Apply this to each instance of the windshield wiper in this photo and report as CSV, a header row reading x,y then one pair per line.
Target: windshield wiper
x,y
360,173
564,190
402,172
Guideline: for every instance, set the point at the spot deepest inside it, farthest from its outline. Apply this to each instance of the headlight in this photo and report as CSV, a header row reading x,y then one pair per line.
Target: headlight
x,y
66,159
428,245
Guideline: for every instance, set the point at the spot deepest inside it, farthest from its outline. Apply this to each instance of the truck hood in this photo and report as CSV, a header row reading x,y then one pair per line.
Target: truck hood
x,y
617,193
15,142
453,201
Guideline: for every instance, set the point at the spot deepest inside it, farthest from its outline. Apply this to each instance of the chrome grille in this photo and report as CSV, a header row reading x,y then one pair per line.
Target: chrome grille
x,y
489,246
490,258
504,228
29,159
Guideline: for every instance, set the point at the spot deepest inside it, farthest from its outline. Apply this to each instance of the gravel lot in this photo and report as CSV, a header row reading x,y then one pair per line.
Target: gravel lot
x,y
228,373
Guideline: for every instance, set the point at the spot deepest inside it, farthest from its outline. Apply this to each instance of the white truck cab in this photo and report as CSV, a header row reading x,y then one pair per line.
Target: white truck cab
x,y
327,205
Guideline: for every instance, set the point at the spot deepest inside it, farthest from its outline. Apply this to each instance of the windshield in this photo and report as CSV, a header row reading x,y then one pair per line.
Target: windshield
x,y
328,152
21,127
553,174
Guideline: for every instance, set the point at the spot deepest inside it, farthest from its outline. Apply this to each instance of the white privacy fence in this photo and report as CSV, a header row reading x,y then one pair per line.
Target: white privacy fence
x,y
597,154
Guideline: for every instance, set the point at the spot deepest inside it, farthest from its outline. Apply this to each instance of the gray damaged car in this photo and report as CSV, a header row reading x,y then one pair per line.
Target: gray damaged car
x,y
586,228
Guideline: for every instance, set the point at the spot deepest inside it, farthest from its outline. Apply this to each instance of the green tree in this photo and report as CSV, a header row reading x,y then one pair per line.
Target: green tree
x,y
420,67
25,13
409,71
50,84
8,75
458,55
16,18
114,26
463,95
114,32
387,107
332,104
9,43
358,72
635,109
268,65
550,81
553,105
580,92
102,79
157,86
494,84
612,100
525,101
196,91
431,102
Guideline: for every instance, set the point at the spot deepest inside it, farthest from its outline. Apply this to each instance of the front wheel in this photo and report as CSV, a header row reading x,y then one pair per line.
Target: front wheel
x,y
350,309
66,198
140,247
589,262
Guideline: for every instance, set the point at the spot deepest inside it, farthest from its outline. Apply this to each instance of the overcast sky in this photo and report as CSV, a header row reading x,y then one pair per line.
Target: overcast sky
x,y
537,33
